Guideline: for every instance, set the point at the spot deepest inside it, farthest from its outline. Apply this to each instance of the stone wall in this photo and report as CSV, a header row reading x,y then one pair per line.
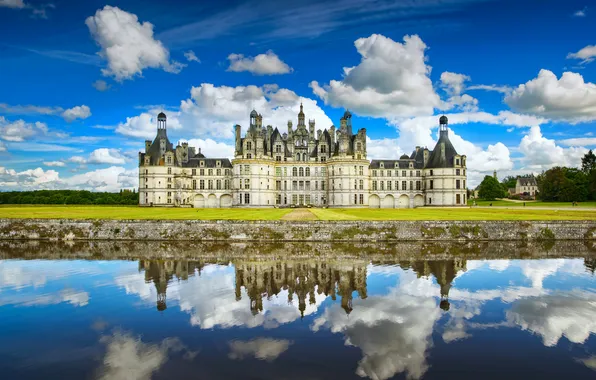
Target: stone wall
x,y
325,231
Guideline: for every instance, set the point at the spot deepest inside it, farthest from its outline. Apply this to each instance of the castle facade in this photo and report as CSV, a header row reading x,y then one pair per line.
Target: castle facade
x,y
303,167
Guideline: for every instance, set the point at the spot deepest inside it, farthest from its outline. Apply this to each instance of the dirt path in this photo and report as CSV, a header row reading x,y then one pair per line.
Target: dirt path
x,y
300,214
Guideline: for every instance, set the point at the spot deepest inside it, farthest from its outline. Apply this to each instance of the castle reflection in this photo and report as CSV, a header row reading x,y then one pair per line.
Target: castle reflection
x,y
301,279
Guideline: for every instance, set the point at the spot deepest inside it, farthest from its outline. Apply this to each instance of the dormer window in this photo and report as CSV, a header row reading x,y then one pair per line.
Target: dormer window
x,y
248,145
218,164
457,161
202,163
382,165
169,160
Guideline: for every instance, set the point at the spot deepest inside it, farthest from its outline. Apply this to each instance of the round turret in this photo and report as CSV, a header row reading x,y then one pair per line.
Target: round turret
x,y
404,157
161,116
443,120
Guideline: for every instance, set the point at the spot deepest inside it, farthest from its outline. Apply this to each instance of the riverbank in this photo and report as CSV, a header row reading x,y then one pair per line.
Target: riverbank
x,y
315,230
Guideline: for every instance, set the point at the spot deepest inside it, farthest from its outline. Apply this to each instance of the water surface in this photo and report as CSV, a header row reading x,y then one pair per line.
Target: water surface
x,y
136,312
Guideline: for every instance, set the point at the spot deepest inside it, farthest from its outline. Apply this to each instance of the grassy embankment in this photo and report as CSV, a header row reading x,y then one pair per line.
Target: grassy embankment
x,y
509,203
134,212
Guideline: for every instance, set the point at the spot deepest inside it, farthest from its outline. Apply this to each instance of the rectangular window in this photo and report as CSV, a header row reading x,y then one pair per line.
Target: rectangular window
x,y
246,198
430,185
295,199
403,173
202,184
457,198
361,199
210,171
456,171
194,184
322,185
361,170
361,184
277,185
294,185
307,185
374,185
374,173
457,184
316,185
194,171
382,185
218,184
307,199
210,184
227,184
355,199
431,173
404,185
278,172
417,173
169,170
202,171
218,171
247,184
285,185
389,185
418,185
411,185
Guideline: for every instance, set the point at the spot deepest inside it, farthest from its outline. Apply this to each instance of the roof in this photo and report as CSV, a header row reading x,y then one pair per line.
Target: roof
x,y
527,181
161,115
208,163
443,120
154,150
443,154
390,164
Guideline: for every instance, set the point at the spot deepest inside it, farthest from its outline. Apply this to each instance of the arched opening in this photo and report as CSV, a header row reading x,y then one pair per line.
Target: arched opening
x,y
211,201
374,201
404,201
388,202
198,201
418,201
225,200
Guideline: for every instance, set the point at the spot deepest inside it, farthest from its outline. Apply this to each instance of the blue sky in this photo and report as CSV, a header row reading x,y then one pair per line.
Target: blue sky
x,y
82,82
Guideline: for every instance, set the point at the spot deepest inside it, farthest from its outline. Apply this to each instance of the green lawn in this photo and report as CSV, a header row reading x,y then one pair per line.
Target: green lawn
x,y
508,203
453,214
135,212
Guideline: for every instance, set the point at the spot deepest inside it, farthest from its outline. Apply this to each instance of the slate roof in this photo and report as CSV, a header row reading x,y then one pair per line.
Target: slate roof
x,y
527,181
439,160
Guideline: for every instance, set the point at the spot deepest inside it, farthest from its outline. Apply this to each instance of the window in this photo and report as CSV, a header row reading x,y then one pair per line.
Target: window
x,y
194,171
389,185
361,170
247,184
301,185
294,185
430,201
457,198
411,173
375,185
202,172
210,184
361,199
248,145
323,149
404,185
417,173
285,185
202,184
278,149
295,172
194,184
303,156
323,171
218,172
307,185
249,156
227,184
382,185
323,186
374,173
277,185
246,169
308,172
464,183
457,184
301,171
411,185
388,173
278,158
246,198
361,184
170,180
456,171
169,186
431,172
278,172
169,170
316,185
358,146
295,199
278,199
240,200
403,173
169,159
210,172
218,163
201,163
218,184
457,163
355,199
297,156
418,185
430,184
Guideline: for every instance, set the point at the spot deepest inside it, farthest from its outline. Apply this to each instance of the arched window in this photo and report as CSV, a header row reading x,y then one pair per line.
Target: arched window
x,y
297,156
301,172
303,156
249,145
295,172
308,172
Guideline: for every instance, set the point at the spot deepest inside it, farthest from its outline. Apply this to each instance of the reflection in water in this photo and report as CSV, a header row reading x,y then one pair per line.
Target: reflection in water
x,y
267,317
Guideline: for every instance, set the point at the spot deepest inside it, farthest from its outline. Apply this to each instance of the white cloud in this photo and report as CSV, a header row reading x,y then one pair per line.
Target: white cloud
x,y
54,163
78,112
110,179
128,358
18,4
191,56
581,12
541,153
20,130
128,45
453,83
386,148
101,85
261,348
557,315
211,148
587,54
490,87
106,156
567,99
145,125
392,80
579,141
263,64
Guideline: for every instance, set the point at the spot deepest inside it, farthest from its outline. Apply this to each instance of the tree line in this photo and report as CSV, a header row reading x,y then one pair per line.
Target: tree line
x,y
69,197
558,184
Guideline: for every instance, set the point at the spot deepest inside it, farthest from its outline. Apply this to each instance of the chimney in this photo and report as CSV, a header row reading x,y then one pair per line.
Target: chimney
x,y
238,140
147,145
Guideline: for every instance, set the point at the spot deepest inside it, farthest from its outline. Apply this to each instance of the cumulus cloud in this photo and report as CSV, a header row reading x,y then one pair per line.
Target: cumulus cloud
x,y
78,112
392,80
127,45
587,54
212,148
263,64
20,130
106,156
191,56
145,125
541,153
110,179
261,348
490,87
566,99
453,83
37,11
101,85
129,358
554,316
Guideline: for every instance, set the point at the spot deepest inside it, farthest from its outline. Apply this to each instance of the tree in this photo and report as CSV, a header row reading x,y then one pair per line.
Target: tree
x,y
490,189
561,184
509,182
589,162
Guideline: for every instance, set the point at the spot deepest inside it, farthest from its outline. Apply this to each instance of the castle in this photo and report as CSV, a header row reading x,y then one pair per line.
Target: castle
x,y
327,168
